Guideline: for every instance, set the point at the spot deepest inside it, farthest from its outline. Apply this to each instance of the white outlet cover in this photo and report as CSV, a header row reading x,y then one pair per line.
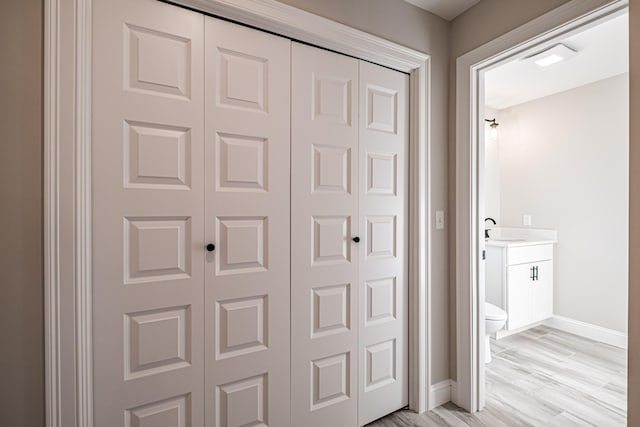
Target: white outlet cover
x,y
526,220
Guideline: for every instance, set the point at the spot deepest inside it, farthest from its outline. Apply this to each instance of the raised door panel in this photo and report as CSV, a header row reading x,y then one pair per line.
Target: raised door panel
x,y
247,194
542,292
519,282
383,215
324,219
148,253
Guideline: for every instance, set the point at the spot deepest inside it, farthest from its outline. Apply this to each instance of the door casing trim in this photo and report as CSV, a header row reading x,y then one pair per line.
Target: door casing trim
x,y
67,186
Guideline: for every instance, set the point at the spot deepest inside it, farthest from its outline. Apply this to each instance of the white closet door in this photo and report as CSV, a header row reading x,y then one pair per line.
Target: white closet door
x,y
247,296
324,218
148,246
383,324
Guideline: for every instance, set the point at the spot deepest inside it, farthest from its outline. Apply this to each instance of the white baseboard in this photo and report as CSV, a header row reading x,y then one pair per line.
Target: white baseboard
x,y
440,393
587,330
454,391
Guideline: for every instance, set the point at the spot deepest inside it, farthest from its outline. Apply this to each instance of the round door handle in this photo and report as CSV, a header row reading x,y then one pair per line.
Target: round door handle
x,y
356,239
211,247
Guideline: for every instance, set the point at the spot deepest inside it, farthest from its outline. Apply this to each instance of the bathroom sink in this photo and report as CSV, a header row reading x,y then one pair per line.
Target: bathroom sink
x,y
507,239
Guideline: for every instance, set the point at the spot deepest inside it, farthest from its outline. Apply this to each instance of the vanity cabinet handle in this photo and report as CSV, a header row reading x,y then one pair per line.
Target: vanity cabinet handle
x,y
534,273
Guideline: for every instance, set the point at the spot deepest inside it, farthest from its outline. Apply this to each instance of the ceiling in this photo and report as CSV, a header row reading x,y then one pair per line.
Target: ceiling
x,y
603,52
447,9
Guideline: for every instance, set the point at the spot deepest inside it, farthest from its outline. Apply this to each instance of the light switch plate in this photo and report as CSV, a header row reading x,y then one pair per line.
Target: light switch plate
x,y
526,220
439,220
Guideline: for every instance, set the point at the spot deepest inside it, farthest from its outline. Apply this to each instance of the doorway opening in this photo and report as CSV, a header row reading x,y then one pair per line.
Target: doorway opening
x,y
541,40
554,191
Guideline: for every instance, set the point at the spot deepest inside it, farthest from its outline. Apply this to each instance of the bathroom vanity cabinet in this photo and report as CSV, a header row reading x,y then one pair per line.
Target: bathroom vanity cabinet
x,y
519,279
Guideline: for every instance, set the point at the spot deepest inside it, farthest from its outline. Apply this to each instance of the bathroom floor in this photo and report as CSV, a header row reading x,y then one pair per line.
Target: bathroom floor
x,y
541,377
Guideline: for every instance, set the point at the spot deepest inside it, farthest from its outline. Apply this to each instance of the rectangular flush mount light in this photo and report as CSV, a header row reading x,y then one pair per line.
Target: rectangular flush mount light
x,y
552,55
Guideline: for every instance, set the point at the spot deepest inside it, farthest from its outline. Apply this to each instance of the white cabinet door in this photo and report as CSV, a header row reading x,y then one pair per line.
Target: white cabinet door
x,y
247,193
148,236
383,328
324,287
542,292
529,293
519,281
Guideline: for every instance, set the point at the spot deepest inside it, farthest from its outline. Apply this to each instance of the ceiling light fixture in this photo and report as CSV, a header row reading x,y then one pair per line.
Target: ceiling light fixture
x,y
552,55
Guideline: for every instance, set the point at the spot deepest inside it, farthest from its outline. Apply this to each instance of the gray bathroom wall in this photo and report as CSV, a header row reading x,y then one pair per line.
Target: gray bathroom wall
x,y
564,160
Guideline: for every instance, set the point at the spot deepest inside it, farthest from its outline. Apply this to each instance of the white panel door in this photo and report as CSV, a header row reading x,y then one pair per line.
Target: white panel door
x,y
247,278
148,235
383,208
324,186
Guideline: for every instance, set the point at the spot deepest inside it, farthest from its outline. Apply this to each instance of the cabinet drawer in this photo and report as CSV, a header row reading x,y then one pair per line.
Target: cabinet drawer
x,y
524,254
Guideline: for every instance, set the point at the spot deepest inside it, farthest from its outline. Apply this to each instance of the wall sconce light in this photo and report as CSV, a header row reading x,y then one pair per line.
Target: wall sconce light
x,y
494,127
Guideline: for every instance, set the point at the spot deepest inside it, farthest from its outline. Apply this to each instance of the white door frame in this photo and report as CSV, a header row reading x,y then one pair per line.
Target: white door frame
x,y
67,186
573,16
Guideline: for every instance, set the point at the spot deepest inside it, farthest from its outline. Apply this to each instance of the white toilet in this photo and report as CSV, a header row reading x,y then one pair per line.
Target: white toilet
x,y
494,320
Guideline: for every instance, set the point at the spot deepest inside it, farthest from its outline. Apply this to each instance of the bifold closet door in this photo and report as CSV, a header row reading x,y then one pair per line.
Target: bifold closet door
x,y
349,237
383,207
247,218
148,233
242,278
324,219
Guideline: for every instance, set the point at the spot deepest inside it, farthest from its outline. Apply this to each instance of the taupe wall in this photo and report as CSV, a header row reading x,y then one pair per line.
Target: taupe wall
x,y
490,19
634,215
21,290
480,24
21,360
408,25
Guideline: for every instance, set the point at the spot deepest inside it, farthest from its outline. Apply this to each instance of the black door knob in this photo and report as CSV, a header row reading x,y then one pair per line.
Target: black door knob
x,y
356,239
211,247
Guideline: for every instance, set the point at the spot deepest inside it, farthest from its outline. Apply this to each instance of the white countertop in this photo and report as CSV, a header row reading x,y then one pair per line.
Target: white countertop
x,y
516,243
507,237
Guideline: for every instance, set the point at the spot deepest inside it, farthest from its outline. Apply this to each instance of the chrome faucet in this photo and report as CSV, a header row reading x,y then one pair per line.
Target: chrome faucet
x,y
486,230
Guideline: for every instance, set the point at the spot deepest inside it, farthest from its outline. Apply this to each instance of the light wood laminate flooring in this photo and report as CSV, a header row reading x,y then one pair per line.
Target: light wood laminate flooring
x,y
540,377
